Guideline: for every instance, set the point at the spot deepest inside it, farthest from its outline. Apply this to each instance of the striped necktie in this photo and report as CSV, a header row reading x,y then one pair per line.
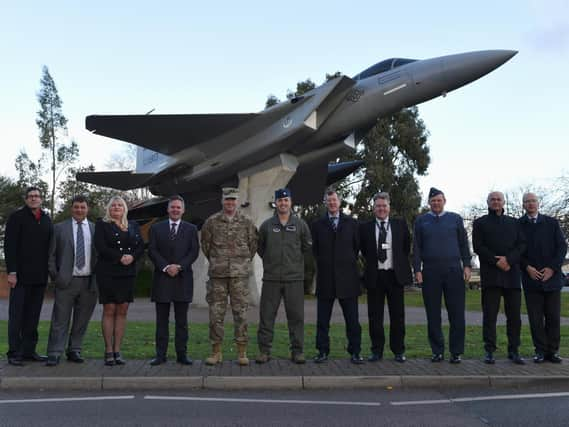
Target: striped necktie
x,y
80,247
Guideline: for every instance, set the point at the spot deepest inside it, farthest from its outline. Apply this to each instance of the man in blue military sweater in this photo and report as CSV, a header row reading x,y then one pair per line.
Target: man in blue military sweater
x,y
542,278
441,260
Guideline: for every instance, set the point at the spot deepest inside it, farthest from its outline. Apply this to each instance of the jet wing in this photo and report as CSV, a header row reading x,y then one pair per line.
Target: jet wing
x,y
122,180
166,134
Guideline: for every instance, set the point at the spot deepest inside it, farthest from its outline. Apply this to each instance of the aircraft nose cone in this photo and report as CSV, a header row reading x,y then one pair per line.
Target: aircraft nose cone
x,y
464,68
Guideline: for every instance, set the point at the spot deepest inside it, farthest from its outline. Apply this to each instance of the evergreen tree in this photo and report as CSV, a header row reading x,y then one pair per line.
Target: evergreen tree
x,y
52,125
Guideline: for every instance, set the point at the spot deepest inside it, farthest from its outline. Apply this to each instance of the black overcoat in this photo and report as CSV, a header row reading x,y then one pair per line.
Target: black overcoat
x,y
182,250
546,247
498,235
26,246
336,254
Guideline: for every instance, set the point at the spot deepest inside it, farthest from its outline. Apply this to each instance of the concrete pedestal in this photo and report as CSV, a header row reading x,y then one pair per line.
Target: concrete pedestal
x,y
257,186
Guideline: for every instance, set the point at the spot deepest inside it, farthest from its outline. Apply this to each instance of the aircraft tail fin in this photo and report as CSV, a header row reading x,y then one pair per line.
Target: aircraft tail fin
x,y
121,180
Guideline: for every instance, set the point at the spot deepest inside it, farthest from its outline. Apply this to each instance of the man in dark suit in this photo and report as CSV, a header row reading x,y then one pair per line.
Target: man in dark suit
x,y
385,245
499,242
335,246
542,278
26,247
173,248
72,262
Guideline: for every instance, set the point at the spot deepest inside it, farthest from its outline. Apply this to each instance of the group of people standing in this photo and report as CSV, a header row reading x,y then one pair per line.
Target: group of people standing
x,y
85,260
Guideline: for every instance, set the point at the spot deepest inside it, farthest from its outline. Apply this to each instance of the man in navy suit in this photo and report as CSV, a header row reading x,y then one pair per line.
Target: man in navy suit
x,y
542,278
335,246
173,247
385,244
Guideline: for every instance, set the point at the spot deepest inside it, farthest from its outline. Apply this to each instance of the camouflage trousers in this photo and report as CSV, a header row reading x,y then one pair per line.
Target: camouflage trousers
x,y
218,290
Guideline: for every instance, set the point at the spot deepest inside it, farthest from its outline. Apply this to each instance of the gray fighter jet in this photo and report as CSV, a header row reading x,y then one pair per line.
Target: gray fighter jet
x,y
197,154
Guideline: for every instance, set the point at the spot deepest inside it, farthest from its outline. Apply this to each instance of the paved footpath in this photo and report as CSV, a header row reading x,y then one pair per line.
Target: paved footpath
x,y
277,374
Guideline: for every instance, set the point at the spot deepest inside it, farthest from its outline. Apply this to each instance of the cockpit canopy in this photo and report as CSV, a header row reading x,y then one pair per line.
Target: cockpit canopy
x,y
382,67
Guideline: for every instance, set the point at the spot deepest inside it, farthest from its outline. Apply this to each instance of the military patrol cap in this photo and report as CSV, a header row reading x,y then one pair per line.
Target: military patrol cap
x,y
229,193
282,193
434,192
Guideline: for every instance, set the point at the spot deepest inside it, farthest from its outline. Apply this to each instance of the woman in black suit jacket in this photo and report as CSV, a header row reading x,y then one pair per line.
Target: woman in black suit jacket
x,y
119,245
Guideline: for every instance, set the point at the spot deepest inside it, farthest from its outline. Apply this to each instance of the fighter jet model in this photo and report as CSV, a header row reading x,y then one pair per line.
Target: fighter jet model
x,y
195,155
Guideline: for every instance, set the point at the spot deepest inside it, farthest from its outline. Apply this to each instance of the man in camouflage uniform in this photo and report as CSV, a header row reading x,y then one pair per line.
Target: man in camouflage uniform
x,y
229,242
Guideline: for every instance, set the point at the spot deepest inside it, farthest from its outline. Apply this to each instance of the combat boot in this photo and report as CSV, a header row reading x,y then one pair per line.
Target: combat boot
x,y
216,356
243,360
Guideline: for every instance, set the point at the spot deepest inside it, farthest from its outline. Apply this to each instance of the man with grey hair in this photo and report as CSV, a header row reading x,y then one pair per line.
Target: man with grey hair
x,y
385,245
542,278
499,242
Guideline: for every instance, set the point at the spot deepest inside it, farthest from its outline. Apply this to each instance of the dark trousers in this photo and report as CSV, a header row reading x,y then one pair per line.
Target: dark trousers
x,y
447,281
76,301
544,312
271,295
353,329
386,287
162,333
23,318
490,306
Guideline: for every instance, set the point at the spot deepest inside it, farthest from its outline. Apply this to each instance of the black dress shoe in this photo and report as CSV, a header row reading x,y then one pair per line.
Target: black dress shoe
x,y
489,358
183,359
554,358
435,358
34,357
75,356
400,358
320,358
157,361
455,359
516,358
52,361
538,358
15,361
374,357
356,359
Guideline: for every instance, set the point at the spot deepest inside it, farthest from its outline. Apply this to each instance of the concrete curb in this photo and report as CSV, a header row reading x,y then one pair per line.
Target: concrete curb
x,y
275,382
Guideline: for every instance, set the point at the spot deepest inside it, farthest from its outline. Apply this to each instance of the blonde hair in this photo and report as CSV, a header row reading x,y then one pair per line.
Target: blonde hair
x,y
124,220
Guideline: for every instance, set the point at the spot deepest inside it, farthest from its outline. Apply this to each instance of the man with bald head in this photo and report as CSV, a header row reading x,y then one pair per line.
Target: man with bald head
x,y
499,242
542,278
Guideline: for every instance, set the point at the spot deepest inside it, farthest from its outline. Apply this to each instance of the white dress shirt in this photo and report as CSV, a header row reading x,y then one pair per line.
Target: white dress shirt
x,y
388,264
86,270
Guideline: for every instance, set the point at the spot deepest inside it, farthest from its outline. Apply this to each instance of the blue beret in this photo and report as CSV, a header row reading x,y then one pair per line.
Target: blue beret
x,y
281,193
434,192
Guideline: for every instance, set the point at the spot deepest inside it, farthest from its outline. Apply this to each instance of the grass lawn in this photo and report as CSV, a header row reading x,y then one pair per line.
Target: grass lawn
x,y
139,341
473,301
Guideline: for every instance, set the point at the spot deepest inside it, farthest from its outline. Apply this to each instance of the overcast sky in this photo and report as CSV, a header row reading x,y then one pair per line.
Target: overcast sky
x,y
508,129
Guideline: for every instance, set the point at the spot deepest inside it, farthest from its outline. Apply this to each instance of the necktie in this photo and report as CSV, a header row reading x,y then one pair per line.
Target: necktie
x,y
533,220
80,247
381,253
334,223
172,235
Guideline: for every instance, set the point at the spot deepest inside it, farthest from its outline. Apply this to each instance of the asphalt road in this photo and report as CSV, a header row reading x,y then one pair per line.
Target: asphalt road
x,y
379,407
